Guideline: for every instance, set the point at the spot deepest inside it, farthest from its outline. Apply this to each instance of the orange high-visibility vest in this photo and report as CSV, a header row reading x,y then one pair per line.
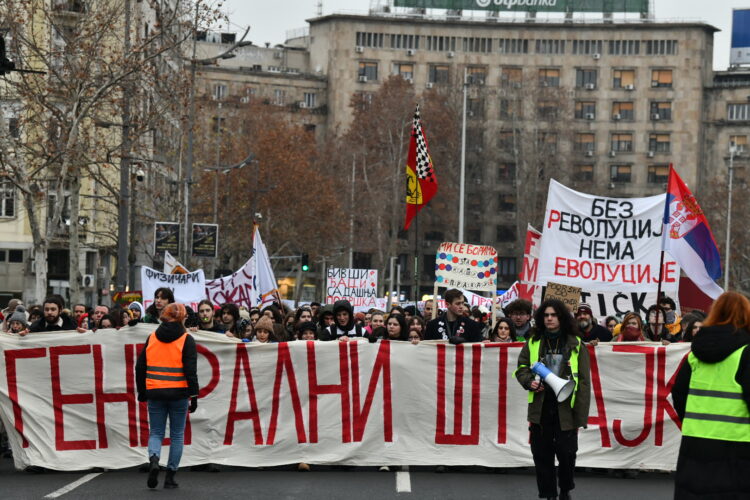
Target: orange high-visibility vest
x,y
164,363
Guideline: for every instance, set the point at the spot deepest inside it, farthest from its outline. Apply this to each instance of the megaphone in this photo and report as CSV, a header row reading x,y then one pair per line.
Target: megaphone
x,y
561,387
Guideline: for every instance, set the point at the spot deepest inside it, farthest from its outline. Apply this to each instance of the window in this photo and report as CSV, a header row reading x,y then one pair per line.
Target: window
x,y
364,39
739,141
441,43
506,268
661,110
439,73
505,140
585,142
661,47
7,199
587,47
661,78
550,46
506,172
220,91
549,77
476,75
623,79
511,77
659,143
404,41
369,70
623,109
477,44
362,100
738,111
585,110
624,47
217,124
586,78
404,70
546,142
547,110
279,97
506,202
658,174
474,234
310,99
475,107
583,173
505,233
510,109
513,46
14,128
620,173
622,142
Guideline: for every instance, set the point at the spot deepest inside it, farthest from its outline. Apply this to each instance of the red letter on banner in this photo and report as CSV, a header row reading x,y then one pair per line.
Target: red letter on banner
x,y
441,437
600,419
502,389
59,399
382,367
119,397
10,371
242,367
284,363
648,396
662,391
316,390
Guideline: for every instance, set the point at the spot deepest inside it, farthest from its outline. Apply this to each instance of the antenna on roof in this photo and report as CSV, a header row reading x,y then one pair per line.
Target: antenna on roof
x,y
319,8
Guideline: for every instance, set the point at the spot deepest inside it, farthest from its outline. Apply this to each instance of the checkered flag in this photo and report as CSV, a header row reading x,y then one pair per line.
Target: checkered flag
x,y
421,182
424,162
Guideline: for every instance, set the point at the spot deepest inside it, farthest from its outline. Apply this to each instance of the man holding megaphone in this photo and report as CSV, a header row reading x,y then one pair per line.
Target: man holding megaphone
x,y
554,367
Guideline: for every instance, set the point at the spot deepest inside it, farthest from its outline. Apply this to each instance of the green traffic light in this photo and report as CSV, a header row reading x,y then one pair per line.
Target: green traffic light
x,y
305,268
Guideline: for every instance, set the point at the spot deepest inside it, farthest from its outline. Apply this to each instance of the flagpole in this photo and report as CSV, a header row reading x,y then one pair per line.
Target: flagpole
x,y
462,180
416,261
661,276
664,223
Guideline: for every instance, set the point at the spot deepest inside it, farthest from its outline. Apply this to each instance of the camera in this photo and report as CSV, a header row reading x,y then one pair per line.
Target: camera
x,y
140,175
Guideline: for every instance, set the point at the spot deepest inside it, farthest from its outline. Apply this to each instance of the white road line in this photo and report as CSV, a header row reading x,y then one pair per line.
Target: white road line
x,y
75,484
403,482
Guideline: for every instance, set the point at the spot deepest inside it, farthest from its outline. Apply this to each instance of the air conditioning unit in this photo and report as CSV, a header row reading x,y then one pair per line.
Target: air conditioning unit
x,y
655,116
244,99
451,54
590,86
302,104
612,154
89,281
617,116
359,49
590,116
596,56
410,52
654,83
409,80
630,87
430,85
650,154
589,153
362,79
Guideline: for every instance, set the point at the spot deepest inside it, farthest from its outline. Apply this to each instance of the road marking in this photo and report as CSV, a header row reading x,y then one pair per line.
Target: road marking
x,y
403,482
75,484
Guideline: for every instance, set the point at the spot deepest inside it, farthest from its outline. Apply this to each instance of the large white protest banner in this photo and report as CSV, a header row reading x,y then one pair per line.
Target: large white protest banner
x,y
609,247
189,288
68,402
358,286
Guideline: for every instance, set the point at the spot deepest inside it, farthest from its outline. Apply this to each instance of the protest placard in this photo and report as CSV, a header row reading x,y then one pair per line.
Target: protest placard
x,y
465,266
529,270
358,286
568,295
188,289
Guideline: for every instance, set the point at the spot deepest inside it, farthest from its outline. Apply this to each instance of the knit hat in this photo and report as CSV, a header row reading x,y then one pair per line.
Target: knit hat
x,y
307,325
13,304
19,315
136,306
584,307
173,313
264,323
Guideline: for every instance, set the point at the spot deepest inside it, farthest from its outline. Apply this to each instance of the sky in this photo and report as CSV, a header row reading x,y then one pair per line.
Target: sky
x,y
270,20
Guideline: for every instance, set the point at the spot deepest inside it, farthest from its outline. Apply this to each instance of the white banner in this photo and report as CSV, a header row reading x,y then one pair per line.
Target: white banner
x,y
467,267
358,286
189,288
172,265
607,246
68,402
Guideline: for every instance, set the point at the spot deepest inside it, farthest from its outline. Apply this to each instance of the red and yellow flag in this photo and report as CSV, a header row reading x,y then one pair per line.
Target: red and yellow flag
x,y
421,183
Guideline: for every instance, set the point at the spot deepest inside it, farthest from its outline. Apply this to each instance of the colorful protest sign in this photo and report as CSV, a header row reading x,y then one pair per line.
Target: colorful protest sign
x,y
205,240
465,266
609,247
527,276
358,286
69,403
568,295
189,289
125,298
166,238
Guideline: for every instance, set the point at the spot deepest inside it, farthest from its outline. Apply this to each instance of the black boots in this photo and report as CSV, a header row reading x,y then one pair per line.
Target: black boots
x,y
153,471
169,482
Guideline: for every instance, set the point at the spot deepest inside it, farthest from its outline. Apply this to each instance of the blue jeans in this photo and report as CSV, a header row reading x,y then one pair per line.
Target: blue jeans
x,y
158,410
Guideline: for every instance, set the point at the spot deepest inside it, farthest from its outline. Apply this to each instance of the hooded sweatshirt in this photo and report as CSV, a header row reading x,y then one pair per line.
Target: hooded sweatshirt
x,y
169,332
350,329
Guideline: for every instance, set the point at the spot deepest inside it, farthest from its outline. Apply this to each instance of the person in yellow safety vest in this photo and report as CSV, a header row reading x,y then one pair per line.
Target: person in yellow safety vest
x,y
711,395
554,425
166,377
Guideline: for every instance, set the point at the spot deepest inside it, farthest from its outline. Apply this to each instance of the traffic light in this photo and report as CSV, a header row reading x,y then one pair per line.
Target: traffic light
x,y
305,262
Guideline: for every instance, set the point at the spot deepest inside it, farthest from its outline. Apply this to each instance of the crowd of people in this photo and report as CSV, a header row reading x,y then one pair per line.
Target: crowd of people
x,y
275,322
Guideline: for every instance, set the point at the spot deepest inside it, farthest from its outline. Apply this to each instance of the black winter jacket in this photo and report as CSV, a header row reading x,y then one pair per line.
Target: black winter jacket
x,y
169,332
41,325
460,331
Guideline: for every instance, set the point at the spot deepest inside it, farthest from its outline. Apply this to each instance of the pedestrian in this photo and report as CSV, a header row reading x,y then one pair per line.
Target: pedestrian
x,y
611,322
263,331
136,309
307,330
230,317
504,331
325,320
655,329
302,315
105,322
167,379
591,332
53,320
429,309
162,297
554,424
453,325
711,396
692,327
631,329
377,319
17,323
344,328
418,325
206,317
519,311
396,327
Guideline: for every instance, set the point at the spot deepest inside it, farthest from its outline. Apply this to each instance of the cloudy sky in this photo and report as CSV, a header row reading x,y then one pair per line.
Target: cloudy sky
x,y
270,20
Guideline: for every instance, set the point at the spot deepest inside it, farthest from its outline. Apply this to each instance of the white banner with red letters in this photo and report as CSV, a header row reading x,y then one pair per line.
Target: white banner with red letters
x,y
68,402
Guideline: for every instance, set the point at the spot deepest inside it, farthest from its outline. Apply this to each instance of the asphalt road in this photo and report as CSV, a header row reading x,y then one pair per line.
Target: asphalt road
x,y
325,483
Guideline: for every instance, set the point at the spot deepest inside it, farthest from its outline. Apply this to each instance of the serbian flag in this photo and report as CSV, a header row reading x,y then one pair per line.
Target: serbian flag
x,y
421,184
688,238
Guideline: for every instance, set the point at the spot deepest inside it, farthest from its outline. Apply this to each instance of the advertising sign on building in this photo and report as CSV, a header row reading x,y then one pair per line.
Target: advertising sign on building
x,y
166,238
740,37
205,240
637,6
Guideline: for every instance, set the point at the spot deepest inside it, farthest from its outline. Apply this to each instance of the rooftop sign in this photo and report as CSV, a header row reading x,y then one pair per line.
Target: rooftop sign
x,y
639,6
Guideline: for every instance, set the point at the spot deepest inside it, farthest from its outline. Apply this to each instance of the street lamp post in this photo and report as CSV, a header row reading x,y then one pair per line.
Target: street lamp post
x,y
123,211
727,248
462,184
